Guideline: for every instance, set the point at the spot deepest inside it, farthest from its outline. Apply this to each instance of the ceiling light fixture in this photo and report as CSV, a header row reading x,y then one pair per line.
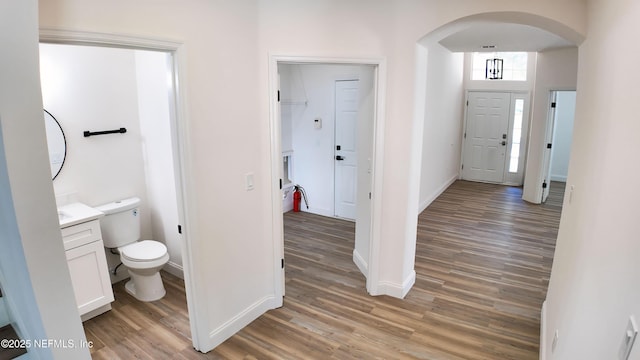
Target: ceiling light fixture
x,y
493,70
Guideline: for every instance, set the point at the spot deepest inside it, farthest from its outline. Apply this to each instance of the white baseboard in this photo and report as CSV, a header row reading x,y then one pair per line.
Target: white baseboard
x,y
543,331
174,269
397,290
426,202
360,263
235,324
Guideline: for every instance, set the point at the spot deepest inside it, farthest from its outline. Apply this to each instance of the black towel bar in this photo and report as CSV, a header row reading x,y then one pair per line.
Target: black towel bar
x,y
118,131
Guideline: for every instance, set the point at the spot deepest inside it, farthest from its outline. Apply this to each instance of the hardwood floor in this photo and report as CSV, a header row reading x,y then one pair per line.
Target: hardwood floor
x,y
483,258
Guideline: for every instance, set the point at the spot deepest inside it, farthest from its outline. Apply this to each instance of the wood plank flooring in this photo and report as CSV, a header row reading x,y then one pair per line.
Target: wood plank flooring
x,y
483,258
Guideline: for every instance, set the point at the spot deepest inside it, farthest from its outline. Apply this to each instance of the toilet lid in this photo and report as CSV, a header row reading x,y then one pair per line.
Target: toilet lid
x,y
145,250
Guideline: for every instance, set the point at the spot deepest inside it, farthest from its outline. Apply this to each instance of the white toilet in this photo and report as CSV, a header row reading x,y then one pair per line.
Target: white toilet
x,y
121,230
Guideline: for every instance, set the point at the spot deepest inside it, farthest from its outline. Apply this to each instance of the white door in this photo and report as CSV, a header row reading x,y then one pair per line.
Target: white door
x,y
345,148
546,181
486,137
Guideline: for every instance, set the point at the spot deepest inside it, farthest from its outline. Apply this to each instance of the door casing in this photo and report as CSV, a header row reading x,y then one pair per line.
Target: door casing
x,y
179,136
371,271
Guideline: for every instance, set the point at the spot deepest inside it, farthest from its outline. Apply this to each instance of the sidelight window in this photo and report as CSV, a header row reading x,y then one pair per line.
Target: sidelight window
x,y
516,138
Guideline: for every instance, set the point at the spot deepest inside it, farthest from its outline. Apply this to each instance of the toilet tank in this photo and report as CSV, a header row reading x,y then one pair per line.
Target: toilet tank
x,y
121,222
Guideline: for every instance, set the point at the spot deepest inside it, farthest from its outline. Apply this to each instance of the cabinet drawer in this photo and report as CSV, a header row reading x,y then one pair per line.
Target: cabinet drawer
x,y
78,235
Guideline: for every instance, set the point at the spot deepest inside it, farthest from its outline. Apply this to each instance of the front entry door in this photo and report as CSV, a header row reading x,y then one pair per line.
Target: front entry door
x,y
486,136
345,148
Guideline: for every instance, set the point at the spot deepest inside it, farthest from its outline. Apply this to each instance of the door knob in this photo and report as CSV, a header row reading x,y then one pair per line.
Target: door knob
x,y
339,158
504,143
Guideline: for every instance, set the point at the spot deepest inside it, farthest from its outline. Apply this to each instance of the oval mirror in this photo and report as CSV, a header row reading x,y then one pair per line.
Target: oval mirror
x,y
56,142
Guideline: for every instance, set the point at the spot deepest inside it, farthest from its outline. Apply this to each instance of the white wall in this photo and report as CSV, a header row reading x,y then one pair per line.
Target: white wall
x,y
313,149
290,79
594,280
225,138
225,58
95,89
35,277
154,94
563,135
556,70
443,119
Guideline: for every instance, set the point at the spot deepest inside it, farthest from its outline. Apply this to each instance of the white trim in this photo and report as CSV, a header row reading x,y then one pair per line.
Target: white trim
x,y
242,319
62,36
438,192
180,135
277,222
378,152
398,290
174,269
543,331
360,262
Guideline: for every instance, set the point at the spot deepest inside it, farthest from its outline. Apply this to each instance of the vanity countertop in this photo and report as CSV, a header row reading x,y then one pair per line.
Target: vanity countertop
x,y
76,213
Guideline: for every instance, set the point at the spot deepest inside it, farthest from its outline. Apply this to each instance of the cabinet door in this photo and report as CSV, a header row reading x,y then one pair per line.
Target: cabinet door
x,y
90,276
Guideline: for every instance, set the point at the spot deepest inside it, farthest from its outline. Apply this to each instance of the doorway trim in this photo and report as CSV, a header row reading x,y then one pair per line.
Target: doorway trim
x,y
380,71
180,140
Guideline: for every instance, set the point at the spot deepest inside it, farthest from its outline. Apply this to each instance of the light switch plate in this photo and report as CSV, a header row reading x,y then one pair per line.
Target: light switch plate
x,y
249,181
630,334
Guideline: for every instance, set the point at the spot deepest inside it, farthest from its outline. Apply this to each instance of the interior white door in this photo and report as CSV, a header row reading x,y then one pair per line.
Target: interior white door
x,y
486,136
346,116
546,181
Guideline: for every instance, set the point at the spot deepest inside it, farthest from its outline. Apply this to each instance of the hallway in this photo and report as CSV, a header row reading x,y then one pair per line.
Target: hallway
x,y
483,263
483,260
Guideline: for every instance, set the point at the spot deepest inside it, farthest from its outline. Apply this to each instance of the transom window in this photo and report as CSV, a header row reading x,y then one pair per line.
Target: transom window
x,y
515,65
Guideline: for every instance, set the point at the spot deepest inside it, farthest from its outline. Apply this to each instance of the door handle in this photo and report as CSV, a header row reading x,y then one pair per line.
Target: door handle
x,y
504,143
339,158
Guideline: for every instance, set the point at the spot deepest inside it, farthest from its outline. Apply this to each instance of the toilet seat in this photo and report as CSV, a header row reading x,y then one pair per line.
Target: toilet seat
x,y
143,251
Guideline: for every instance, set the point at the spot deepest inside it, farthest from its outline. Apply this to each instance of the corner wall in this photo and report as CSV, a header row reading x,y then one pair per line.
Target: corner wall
x,y
153,68
555,70
95,88
32,260
443,119
593,287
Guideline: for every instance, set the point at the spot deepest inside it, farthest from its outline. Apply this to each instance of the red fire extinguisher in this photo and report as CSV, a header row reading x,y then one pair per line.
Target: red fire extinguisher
x,y
298,194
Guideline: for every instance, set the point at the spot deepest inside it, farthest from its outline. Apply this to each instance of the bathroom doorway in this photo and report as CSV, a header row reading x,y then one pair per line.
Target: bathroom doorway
x,y
153,167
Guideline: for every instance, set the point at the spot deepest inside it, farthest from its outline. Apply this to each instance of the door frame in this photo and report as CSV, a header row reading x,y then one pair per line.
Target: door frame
x,y
275,123
180,144
525,128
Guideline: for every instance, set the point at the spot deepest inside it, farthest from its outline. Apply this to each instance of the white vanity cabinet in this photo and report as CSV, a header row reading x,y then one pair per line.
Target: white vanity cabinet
x,y
88,268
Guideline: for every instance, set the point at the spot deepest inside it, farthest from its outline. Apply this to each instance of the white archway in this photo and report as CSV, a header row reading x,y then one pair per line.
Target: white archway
x,y
535,152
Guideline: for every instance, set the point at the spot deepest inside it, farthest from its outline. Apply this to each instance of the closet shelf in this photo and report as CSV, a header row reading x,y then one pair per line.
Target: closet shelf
x,y
294,102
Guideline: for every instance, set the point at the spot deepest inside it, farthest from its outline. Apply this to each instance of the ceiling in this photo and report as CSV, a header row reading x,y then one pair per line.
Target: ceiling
x,y
503,37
